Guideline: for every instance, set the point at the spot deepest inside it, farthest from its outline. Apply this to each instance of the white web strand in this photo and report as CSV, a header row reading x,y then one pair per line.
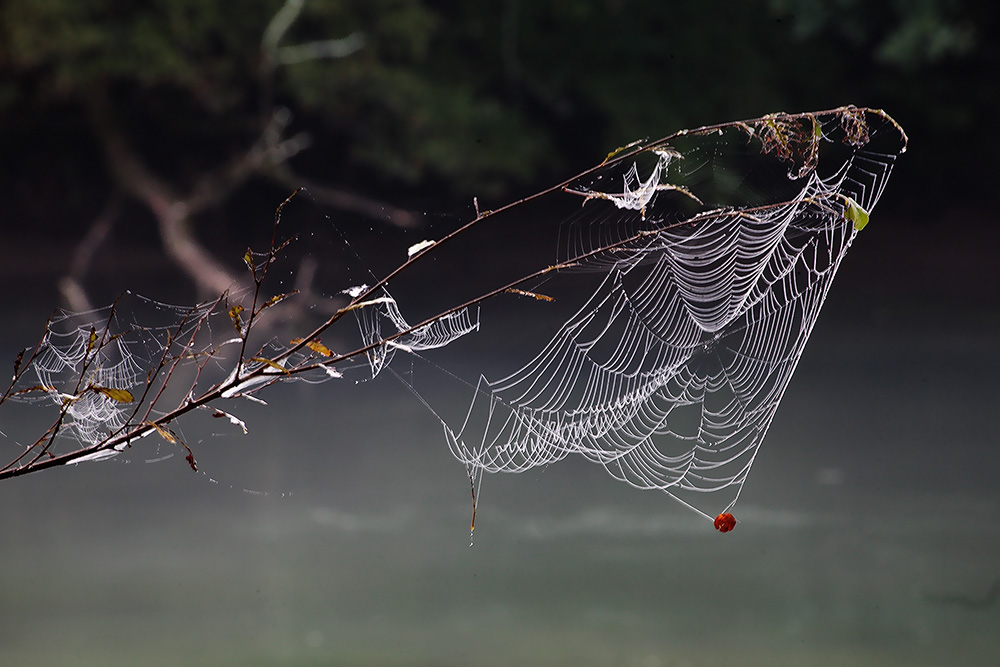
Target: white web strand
x,y
91,415
114,349
381,318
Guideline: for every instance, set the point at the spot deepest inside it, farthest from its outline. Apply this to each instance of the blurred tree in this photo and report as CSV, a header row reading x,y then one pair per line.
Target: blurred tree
x,y
180,104
927,61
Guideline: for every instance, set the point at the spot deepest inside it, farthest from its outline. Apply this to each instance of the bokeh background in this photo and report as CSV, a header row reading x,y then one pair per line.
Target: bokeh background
x,y
139,140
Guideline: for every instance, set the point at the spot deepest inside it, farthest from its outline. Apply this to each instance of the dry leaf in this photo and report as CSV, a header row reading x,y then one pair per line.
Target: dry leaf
x,y
534,295
120,395
37,387
164,433
234,315
274,300
315,346
273,364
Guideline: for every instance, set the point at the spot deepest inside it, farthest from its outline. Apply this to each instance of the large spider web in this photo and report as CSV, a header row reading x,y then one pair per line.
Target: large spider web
x,y
714,269
688,284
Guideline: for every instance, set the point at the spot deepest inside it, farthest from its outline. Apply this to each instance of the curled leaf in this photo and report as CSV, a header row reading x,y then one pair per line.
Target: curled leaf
x,y
169,436
92,340
540,297
234,315
37,387
560,267
119,395
248,259
166,434
315,346
17,363
856,214
273,364
222,414
274,300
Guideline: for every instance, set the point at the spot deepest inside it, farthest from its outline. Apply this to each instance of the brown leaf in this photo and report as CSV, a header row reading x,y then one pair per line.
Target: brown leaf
x,y
540,297
315,346
119,395
234,315
165,433
17,362
168,435
37,387
274,300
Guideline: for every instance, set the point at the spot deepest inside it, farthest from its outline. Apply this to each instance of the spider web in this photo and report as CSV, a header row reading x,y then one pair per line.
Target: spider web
x,y
83,358
713,272
680,297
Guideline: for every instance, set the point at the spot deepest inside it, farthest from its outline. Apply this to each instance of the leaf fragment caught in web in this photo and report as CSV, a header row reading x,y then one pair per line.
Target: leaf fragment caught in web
x,y
165,433
270,363
235,314
37,387
119,395
636,193
533,295
315,345
222,414
278,298
17,362
856,214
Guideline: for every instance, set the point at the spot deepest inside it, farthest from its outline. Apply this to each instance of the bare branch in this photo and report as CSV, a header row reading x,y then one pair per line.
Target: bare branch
x,y
731,294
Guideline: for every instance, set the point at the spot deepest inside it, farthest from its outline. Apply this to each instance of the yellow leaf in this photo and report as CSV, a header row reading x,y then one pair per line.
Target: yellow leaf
x,y
540,297
315,346
120,395
273,364
234,315
164,433
274,300
248,258
92,340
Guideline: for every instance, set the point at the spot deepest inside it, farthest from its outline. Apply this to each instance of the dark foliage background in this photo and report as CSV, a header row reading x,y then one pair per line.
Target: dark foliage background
x,y
442,101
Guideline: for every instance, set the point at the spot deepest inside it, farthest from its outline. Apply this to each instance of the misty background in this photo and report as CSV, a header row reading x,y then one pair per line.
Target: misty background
x,y
140,141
